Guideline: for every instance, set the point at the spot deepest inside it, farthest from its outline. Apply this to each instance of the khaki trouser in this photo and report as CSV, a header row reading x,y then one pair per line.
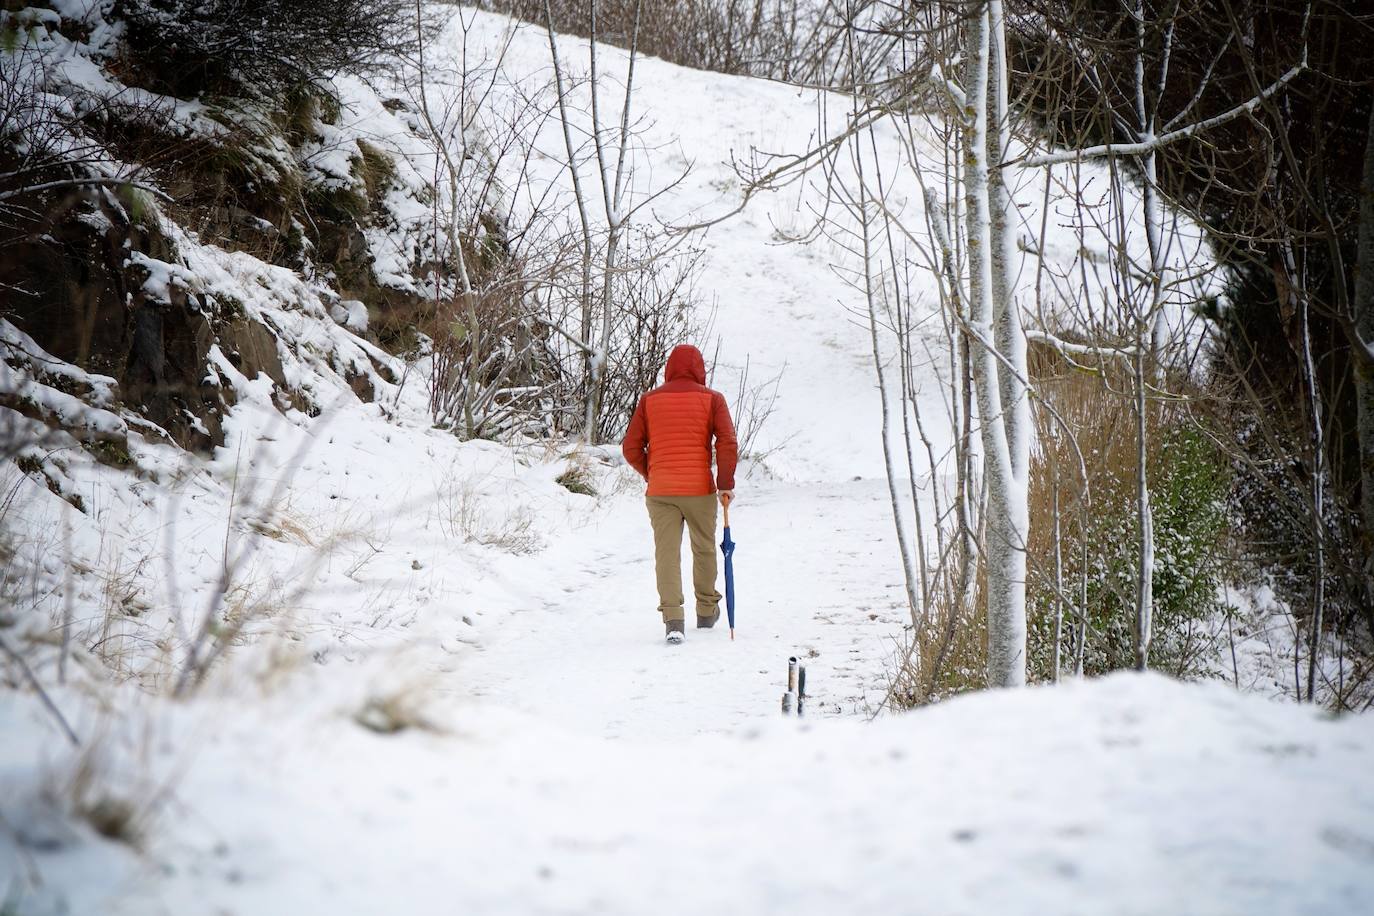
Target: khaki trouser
x,y
667,514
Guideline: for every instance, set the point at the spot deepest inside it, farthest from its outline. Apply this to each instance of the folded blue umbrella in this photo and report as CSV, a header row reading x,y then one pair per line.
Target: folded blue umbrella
x,y
727,547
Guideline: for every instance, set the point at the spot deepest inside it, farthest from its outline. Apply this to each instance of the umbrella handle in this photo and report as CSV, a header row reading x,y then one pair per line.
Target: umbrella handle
x,y
726,504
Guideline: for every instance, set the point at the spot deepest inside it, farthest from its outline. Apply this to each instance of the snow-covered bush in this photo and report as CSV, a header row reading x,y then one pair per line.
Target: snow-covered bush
x,y
264,44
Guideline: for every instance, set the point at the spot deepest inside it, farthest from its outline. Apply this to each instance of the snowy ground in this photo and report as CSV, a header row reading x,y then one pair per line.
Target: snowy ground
x,y
562,759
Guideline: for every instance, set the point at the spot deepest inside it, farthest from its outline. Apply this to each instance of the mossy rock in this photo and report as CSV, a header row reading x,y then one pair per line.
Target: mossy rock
x,y
114,453
377,170
336,203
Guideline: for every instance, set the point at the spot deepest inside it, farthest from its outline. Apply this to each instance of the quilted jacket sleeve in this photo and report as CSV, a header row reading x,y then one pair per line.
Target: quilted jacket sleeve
x,y
727,448
635,448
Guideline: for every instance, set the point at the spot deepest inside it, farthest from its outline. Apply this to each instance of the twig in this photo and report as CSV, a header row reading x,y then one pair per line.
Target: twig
x,y
42,694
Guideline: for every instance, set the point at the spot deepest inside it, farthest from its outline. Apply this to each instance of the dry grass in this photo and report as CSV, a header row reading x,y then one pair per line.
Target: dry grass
x,y
1098,530
284,528
398,709
946,656
113,795
123,602
469,515
580,477
1099,424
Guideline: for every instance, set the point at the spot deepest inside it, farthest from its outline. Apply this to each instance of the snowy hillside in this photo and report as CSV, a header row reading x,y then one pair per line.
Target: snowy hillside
x,y
443,686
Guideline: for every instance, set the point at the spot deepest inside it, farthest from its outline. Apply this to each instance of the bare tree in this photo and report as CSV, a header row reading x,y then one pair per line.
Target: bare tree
x,y
604,255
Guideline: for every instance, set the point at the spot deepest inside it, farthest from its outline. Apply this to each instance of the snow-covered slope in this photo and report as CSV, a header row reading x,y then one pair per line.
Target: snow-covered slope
x,y
552,755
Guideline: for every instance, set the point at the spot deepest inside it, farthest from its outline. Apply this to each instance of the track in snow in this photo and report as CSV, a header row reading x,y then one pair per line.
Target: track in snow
x,y
814,577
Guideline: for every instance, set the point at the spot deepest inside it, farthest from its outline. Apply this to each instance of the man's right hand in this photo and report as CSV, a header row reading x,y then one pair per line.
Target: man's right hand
x,y
726,496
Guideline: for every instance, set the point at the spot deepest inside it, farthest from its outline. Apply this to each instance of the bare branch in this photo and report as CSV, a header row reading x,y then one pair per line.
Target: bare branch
x,y
1152,144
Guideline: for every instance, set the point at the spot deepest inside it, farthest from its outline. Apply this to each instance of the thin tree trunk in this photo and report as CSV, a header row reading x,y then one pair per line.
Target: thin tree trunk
x,y
1144,522
1010,336
1364,357
1314,640
966,565
1007,511
1081,650
560,84
1058,561
899,522
612,193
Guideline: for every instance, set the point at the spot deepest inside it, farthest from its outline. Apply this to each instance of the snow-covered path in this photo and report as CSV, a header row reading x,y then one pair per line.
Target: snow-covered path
x,y
815,577
817,570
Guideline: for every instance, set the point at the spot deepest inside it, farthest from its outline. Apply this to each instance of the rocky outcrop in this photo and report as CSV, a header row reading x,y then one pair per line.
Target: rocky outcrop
x,y
253,262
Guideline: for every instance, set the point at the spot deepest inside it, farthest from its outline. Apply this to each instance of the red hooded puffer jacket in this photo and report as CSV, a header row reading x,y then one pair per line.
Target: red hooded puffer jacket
x,y
669,439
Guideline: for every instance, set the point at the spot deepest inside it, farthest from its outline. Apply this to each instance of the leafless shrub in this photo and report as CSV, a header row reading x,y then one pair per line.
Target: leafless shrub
x,y
791,40
752,407
492,367
657,309
554,325
49,156
947,655
1259,427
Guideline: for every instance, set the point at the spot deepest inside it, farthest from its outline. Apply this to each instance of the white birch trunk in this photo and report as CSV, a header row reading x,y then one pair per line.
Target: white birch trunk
x,y
1010,334
1007,511
1149,326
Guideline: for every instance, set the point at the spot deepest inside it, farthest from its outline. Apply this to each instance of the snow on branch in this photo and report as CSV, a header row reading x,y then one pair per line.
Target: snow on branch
x,y
948,86
96,181
1069,348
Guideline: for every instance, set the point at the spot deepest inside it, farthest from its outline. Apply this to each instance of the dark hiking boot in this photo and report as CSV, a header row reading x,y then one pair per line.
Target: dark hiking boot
x,y
675,632
705,623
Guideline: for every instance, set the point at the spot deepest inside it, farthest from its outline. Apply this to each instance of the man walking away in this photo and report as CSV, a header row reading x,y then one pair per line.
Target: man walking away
x,y
669,444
